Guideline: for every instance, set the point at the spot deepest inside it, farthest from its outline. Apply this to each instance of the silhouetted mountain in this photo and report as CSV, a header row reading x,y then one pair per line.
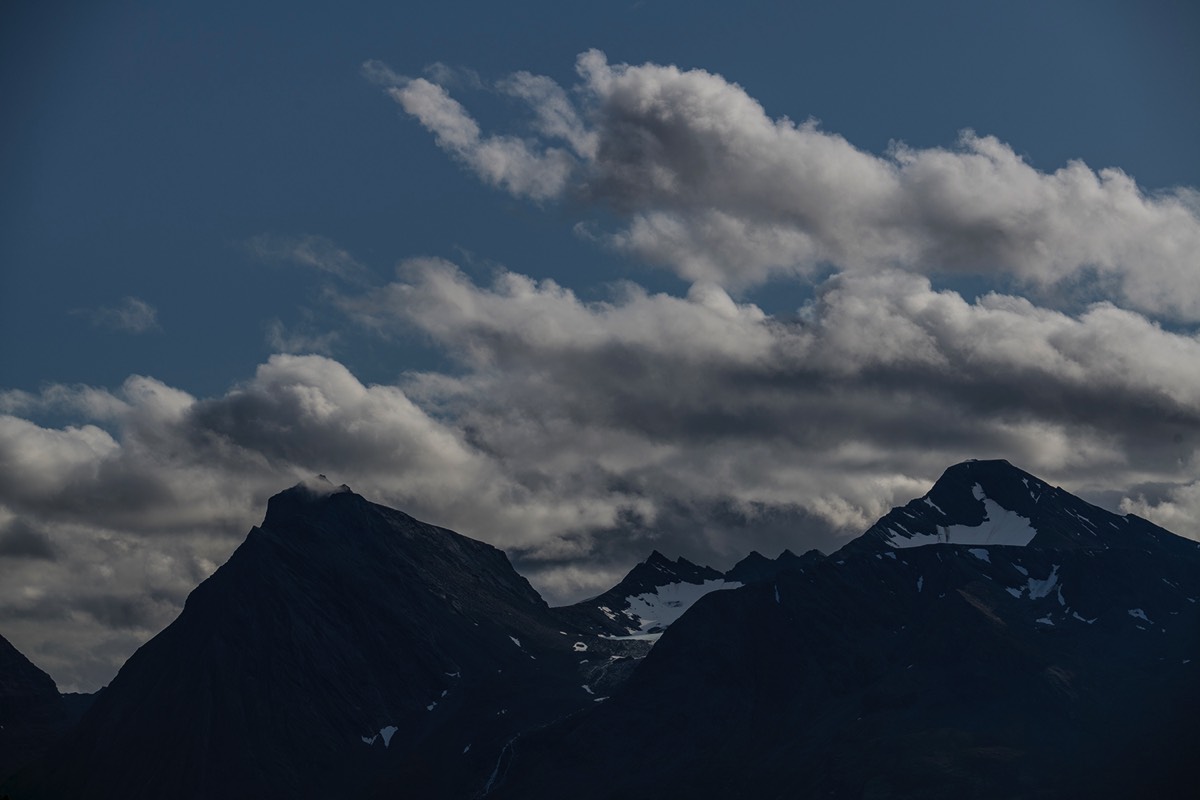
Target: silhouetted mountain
x,y
993,502
1063,664
343,647
757,567
32,714
996,638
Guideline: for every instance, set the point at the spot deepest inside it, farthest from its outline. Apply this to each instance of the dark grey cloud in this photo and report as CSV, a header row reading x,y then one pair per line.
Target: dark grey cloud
x,y
21,540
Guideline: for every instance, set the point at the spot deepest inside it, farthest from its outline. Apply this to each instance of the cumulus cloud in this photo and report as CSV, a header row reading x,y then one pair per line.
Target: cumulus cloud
x,y
874,388
132,315
711,186
579,435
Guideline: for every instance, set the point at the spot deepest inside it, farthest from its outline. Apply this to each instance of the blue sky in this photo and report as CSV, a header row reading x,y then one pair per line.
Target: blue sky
x,y
148,142
581,281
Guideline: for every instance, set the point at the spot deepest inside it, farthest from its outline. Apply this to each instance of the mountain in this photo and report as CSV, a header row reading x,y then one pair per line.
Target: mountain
x,y
659,591
345,648
995,503
32,714
996,638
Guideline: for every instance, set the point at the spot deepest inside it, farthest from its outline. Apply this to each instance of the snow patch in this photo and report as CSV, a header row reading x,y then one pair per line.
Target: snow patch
x,y
579,647
386,732
1039,589
587,689
999,526
981,554
1075,614
1021,570
920,583
1137,613
665,604
516,641
777,594
1045,621
431,706
1014,592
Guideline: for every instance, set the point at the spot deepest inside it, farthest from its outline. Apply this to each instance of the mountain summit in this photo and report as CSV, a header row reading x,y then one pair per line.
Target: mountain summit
x,y
995,503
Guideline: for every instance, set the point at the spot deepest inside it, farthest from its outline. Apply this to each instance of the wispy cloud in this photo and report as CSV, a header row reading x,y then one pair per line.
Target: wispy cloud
x,y
315,252
131,315
288,340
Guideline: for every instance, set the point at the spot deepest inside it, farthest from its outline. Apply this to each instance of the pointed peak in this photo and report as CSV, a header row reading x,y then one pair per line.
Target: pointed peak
x,y
658,558
753,557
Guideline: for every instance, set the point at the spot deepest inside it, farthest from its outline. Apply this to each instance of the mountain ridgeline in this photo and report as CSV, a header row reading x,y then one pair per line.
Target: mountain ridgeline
x,y
997,637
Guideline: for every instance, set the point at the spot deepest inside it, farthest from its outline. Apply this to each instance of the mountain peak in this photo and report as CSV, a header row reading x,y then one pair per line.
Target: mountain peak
x,y
301,497
995,503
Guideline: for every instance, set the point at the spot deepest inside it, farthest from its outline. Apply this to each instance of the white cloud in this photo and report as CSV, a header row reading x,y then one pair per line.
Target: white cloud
x,y
882,378
518,166
711,186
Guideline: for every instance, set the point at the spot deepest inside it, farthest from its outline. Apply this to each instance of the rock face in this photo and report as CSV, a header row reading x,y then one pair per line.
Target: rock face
x,y
343,647
1064,663
32,714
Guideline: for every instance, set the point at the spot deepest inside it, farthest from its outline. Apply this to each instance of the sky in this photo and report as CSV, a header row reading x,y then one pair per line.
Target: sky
x,y
582,282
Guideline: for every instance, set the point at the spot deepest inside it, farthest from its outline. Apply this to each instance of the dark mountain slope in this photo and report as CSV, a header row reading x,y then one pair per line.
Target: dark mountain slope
x,y
942,671
342,646
32,714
